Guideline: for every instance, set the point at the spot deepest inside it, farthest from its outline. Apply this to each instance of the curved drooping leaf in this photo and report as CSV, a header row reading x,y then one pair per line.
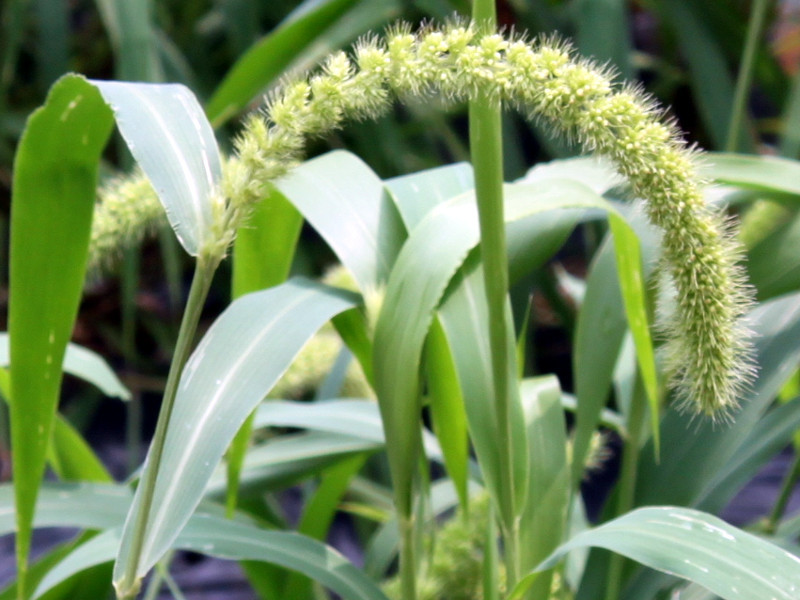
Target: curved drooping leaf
x,y
416,194
83,363
53,196
232,369
353,417
81,505
771,174
354,214
732,563
171,139
234,540
289,459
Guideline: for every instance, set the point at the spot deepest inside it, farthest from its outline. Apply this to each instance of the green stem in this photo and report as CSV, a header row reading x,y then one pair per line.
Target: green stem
x,y
486,146
783,497
627,483
201,282
755,26
408,559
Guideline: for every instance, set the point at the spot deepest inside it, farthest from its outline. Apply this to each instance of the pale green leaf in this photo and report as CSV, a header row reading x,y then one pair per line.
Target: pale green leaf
x,y
232,369
169,136
354,214
732,563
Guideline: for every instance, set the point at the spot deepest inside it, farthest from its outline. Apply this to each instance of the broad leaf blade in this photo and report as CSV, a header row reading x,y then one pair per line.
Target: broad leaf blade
x,y
732,563
354,214
240,358
224,538
84,363
55,176
168,134
763,173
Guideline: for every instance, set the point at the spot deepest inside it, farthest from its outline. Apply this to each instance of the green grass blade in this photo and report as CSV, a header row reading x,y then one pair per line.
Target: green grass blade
x,y
262,256
544,521
693,453
71,458
765,440
416,194
354,214
318,513
170,138
697,546
265,246
234,540
603,32
84,363
771,174
773,264
711,81
238,358
129,27
53,45
634,295
53,198
447,408
269,57
81,505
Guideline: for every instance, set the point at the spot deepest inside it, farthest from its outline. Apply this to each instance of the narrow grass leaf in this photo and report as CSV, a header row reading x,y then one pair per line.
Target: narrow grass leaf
x,y
72,458
711,81
242,356
771,434
354,214
84,363
603,32
269,57
693,453
133,40
168,134
289,459
82,505
634,295
53,196
771,174
234,540
416,286
773,264
544,521
446,405
262,257
416,194
732,563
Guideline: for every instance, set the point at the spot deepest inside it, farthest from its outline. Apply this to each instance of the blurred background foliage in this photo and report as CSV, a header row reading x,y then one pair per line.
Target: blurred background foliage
x,y
686,53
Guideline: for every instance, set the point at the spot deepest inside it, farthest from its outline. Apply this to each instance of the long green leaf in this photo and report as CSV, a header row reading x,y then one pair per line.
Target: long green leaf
x,y
268,58
354,214
241,357
83,363
763,173
773,264
168,134
55,176
544,522
697,546
234,540
416,286
693,453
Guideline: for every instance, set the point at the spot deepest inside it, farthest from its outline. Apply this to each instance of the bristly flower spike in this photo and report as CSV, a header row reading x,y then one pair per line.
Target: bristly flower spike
x,y
707,345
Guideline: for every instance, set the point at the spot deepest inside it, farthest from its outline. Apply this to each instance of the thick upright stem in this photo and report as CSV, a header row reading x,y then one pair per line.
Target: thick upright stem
x,y
201,282
486,145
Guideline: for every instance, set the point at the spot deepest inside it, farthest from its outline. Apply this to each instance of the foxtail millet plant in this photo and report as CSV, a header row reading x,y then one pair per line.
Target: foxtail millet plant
x,y
707,348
